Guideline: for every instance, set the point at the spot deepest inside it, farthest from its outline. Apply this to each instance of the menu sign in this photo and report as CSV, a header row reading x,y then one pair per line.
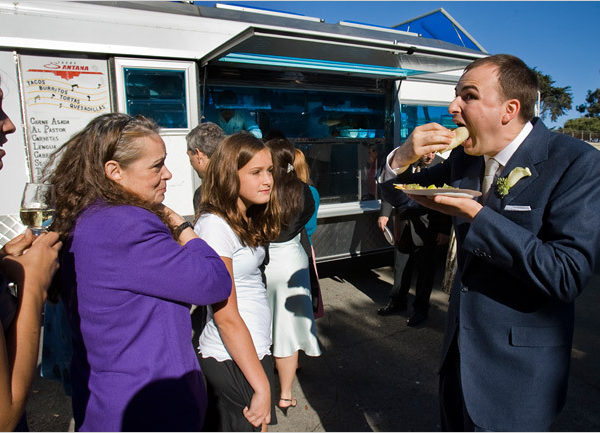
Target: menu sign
x,y
61,96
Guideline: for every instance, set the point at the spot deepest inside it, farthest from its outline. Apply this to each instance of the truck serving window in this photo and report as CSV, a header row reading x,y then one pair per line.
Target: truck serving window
x,y
340,132
413,115
157,94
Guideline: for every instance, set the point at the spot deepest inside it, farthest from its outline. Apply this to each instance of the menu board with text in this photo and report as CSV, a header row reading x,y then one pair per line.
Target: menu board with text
x,y
61,96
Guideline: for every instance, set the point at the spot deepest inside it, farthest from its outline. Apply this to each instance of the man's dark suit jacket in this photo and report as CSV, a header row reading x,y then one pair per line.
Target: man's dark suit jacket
x,y
521,263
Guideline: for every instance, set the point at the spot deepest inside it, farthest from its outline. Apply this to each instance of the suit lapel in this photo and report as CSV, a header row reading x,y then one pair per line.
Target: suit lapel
x,y
531,152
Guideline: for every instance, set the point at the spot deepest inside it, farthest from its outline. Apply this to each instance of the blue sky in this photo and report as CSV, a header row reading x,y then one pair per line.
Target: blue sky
x,y
559,38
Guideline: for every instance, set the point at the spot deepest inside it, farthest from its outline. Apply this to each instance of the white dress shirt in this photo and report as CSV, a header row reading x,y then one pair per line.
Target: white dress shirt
x,y
505,154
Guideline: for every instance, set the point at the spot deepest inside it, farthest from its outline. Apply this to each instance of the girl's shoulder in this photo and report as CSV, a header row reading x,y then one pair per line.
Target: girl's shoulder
x,y
217,233
211,220
212,225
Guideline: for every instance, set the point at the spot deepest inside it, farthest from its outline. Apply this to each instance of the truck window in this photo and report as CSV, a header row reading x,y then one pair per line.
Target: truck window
x,y
157,94
413,115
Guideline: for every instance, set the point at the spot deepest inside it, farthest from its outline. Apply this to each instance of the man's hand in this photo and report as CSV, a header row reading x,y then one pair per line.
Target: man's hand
x,y
466,208
425,139
382,222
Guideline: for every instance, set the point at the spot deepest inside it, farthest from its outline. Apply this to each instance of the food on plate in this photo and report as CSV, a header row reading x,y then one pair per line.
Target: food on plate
x,y
417,186
460,135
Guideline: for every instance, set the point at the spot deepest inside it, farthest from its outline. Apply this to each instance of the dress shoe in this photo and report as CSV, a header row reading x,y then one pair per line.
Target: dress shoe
x,y
391,308
416,319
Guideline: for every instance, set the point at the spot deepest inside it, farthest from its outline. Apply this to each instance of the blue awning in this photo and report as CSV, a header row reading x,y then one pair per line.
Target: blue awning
x,y
440,25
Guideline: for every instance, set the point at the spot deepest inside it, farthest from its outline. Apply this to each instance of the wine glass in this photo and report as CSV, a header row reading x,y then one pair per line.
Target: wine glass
x,y
38,206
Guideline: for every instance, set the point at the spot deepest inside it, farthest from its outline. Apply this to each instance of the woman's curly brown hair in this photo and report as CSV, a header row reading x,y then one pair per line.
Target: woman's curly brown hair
x,y
76,169
221,186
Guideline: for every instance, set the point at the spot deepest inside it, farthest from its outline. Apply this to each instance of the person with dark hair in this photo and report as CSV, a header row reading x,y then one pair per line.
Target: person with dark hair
x,y
238,217
130,269
27,264
526,248
201,144
287,273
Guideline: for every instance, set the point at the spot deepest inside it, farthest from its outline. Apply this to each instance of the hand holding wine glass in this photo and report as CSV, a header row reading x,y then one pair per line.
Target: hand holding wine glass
x,y
38,207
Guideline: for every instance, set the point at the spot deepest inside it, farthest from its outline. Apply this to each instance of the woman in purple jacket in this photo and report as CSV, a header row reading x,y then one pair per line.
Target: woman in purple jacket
x,y
130,267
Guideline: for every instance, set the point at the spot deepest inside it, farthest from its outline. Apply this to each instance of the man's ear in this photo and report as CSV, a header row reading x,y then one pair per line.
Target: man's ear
x,y
201,156
112,169
512,107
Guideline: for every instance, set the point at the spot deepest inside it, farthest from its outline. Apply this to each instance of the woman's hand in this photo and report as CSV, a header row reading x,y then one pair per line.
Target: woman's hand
x,y
174,218
15,247
260,408
34,268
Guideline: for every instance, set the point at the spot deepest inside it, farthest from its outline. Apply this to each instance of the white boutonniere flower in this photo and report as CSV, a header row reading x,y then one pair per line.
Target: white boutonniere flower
x,y
504,184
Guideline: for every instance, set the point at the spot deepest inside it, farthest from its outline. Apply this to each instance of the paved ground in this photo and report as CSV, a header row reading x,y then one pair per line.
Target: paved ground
x,y
376,374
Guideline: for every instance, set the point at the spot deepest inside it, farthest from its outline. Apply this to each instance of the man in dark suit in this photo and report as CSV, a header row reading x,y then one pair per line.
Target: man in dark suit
x,y
525,251
419,235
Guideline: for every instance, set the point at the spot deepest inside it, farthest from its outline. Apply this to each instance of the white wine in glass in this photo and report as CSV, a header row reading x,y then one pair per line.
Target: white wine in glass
x,y
38,207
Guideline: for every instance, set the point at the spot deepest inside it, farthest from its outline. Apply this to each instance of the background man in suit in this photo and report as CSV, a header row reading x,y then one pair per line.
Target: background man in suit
x,y
523,255
418,233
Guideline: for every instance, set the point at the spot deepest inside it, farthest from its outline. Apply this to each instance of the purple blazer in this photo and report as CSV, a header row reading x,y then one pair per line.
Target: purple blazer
x,y
128,287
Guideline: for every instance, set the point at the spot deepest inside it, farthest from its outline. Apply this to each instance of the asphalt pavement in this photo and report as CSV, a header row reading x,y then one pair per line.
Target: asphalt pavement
x,y
375,373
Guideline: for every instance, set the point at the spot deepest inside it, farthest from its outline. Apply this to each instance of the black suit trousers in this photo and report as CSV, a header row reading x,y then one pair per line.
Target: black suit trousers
x,y
422,261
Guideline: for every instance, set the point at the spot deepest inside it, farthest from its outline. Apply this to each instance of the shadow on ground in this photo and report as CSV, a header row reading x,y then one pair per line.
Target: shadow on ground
x,y
377,374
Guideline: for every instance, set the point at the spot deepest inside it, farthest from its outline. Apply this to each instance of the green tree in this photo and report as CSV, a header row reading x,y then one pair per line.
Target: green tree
x,y
555,101
593,104
591,124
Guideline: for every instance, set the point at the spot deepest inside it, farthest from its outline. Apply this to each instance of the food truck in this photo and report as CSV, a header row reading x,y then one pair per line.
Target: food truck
x,y
345,93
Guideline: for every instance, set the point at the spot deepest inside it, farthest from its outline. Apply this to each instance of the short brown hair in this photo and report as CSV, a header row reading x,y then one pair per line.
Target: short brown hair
x,y
516,80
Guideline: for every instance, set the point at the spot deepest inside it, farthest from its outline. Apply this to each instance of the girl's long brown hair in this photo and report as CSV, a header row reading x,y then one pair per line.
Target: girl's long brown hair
x,y
289,189
79,178
221,186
